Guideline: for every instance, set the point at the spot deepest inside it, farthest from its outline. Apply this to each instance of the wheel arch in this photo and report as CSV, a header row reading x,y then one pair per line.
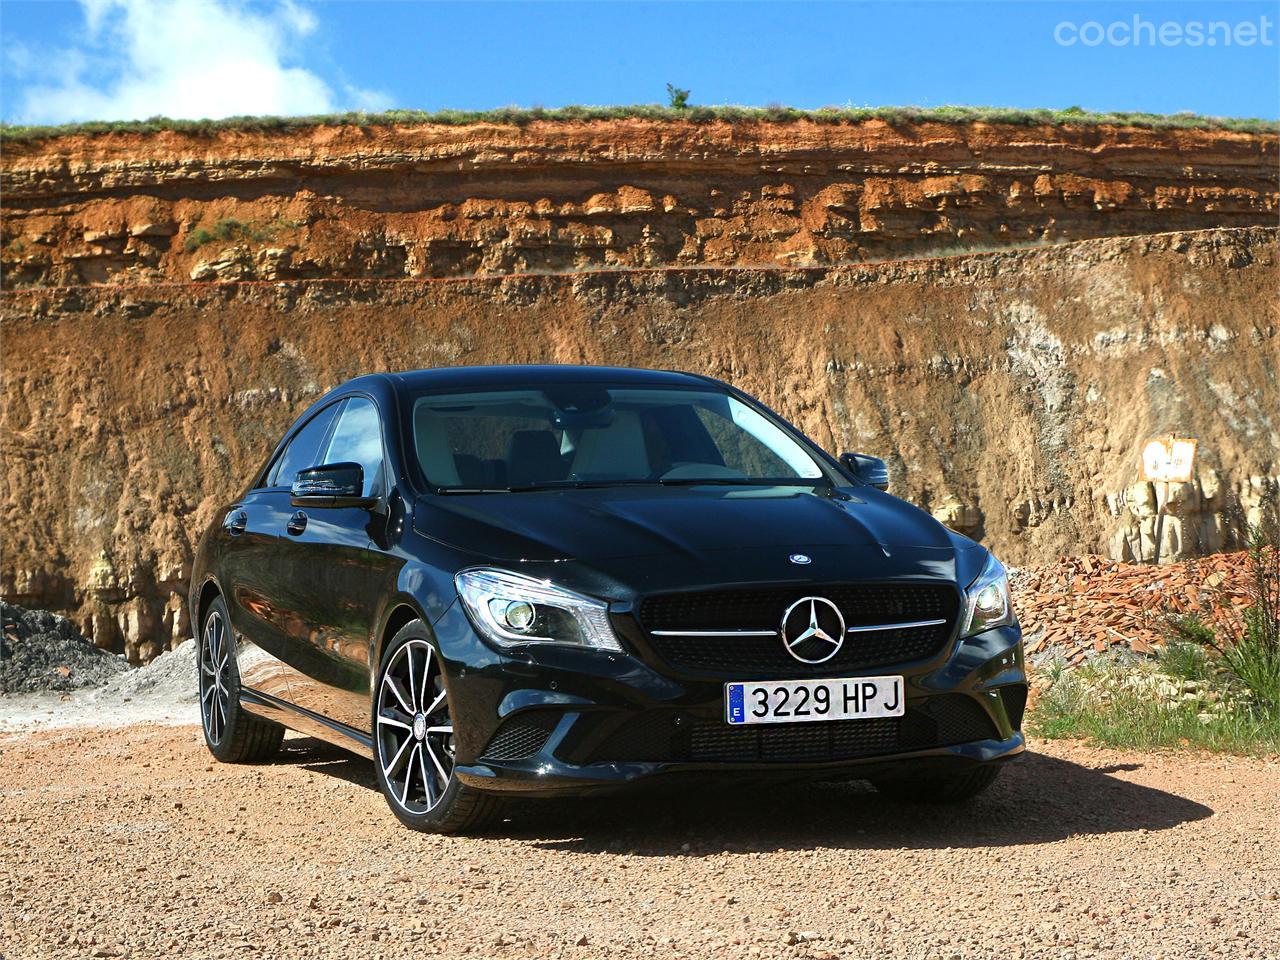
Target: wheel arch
x,y
400,612
209,591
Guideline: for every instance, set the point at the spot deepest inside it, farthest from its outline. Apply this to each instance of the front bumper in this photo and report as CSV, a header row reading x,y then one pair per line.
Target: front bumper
x,y
563,721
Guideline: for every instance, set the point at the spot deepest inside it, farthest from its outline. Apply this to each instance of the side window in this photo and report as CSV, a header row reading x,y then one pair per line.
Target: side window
x,y
303,450
358,439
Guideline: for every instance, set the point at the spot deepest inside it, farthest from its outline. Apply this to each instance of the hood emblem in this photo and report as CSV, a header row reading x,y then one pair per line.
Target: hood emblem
x,y
813,630
801,558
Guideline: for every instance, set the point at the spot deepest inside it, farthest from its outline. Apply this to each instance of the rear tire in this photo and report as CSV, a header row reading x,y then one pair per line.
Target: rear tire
x,y
956,788
231,734
413,741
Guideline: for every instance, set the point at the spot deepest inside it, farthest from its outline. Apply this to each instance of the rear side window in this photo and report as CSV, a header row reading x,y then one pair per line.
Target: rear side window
x,y
303,450
358,439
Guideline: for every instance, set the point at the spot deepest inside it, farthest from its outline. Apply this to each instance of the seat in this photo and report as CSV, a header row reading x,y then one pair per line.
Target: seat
x,y
533,455
615,452
433,449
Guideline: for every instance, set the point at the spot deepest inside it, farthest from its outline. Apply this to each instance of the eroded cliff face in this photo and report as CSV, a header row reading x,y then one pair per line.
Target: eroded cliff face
x,y
436,201
1010,391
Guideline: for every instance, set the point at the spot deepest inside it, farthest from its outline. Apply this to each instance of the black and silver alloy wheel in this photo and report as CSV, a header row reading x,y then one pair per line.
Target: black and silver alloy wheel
x,y
415,734
414,745
214,697
231,734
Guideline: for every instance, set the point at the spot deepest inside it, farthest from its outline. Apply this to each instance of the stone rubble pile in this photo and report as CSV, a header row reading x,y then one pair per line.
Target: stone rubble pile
x,y
40,651
1080,606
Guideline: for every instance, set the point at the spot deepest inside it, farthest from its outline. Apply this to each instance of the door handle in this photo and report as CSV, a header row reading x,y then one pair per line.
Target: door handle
x,y
235,522
297,523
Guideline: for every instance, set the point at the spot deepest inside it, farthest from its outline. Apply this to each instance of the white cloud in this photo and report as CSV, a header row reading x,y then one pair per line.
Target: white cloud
x,y
184,59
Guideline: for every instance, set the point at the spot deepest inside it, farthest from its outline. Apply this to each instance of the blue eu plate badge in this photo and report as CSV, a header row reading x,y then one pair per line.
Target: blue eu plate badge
x,y
736,714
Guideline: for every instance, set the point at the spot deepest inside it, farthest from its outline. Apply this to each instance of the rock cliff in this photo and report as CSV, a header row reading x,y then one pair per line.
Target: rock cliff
x,y
1009,390
431,201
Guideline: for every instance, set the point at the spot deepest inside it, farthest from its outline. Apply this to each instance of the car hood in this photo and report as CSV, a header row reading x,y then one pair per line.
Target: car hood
x,y
666,537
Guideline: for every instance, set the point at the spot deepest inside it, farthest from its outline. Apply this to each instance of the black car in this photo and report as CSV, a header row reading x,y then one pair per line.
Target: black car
x,y
545,580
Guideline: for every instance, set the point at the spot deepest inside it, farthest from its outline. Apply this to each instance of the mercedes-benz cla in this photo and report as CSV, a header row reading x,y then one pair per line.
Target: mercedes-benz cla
x,y
501,581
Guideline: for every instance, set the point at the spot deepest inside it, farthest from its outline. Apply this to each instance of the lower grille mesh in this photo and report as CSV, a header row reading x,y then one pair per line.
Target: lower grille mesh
x,y
522,736
665,736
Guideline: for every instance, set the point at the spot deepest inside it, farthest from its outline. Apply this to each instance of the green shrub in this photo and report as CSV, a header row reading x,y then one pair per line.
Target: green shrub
x,y
1185,660
677,99
229,229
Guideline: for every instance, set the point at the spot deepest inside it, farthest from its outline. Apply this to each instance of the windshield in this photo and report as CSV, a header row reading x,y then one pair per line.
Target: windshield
x,y
595,435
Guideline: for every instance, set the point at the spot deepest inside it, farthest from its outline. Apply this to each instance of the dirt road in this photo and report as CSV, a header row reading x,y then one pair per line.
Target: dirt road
x,y
131,842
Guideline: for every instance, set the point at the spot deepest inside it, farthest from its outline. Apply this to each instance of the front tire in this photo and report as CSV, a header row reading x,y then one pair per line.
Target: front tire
x,y
231,734
414,743
955,788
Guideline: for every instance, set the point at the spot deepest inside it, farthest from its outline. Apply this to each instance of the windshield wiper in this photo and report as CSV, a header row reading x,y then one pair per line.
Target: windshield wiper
x,y
640,482
578,484
742,482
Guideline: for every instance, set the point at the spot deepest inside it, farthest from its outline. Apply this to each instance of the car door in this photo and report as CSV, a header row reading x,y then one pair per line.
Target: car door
x,y
260,599
329,552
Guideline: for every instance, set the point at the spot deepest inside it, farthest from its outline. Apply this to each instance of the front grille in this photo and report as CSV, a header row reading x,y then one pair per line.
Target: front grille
x,y
522,735
748,658
666,736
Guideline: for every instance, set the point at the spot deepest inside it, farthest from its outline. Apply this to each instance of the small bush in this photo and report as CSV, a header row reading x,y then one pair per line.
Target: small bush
x,y
230,229
1184,660
677,99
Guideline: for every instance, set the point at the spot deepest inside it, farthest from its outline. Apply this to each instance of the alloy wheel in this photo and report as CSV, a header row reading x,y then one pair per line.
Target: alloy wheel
x,y
215,695
414,729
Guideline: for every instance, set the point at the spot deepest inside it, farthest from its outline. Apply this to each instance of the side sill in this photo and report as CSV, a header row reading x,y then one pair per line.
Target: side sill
x,y
304,721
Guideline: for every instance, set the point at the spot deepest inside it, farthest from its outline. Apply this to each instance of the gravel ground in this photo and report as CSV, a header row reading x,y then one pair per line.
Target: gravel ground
x,y
42,651
132,842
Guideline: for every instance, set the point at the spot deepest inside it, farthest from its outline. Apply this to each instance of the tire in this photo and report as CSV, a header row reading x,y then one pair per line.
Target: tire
x,y
956,788
413,741
231,734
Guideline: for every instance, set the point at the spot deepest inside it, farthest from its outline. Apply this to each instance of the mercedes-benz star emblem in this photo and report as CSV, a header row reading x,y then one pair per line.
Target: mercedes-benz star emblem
x,y
801,558
813,629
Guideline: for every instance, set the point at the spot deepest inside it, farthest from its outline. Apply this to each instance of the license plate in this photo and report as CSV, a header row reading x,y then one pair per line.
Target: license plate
x,y
798,701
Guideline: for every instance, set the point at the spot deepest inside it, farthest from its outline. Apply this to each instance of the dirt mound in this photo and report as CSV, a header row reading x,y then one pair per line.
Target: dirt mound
x,y
170,678
40,650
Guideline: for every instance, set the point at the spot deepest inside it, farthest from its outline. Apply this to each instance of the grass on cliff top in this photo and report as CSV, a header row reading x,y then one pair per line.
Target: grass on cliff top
x,y
519,116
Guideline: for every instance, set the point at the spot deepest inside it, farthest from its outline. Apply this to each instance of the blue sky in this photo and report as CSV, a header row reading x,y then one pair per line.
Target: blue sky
x,y
118,59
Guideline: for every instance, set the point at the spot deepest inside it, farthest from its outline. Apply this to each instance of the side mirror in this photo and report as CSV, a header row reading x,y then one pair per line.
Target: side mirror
x,y
870,470
330,485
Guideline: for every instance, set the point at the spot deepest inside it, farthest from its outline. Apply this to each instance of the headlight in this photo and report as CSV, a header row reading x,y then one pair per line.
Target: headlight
x,y
987,602
509,608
